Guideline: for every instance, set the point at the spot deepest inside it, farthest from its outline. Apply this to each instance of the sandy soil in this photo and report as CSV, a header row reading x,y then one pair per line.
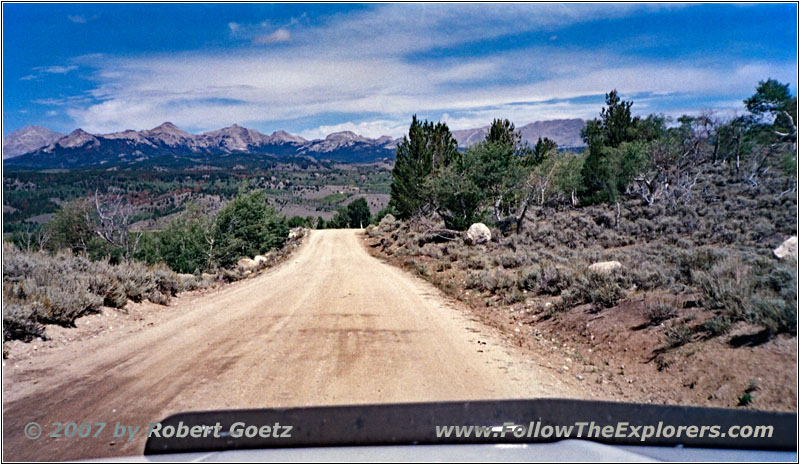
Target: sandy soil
x,y
331,325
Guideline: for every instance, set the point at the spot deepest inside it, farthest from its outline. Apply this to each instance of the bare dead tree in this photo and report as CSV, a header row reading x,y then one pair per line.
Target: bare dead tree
x,y
26,237
43,235
789,136
114,213
518,217
676,163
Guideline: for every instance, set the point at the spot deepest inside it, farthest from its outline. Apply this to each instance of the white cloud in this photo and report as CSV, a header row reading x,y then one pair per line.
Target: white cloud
x,y
358,66
81,19
56,69
279,35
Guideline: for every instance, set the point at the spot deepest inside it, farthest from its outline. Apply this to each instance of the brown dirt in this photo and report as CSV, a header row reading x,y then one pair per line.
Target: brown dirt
x,y
616,356
331,325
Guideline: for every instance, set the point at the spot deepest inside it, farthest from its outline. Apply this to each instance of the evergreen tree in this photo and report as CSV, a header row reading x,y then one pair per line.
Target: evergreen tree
x,y
427,147
358,213
602,179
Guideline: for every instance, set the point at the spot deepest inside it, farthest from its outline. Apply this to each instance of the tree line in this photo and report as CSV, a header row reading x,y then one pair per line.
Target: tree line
x,y
193,242
654,158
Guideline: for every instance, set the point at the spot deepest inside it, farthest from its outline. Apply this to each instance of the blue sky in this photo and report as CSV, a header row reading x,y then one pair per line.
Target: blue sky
x,y
314,69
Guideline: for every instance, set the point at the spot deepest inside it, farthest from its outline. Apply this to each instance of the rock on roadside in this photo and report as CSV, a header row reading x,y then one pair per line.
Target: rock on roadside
x,y
478,233
246,264
605,267
788,249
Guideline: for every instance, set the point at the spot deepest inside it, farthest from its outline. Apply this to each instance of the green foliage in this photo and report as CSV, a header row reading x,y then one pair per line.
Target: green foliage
x,y
355,215
299,221
456,195
246,227
72,226
614,156
358,213
185,245
502,132
773,98
427,148
544,148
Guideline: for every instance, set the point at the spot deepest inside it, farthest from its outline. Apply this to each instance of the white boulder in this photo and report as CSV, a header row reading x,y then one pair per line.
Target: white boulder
x,y
478,233
788,249
246,264
296,233
605,267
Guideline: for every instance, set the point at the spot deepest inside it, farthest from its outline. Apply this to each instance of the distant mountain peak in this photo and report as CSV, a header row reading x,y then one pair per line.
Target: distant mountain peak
x,y
166,126
79,148
345,136
28,139
283,136
77,138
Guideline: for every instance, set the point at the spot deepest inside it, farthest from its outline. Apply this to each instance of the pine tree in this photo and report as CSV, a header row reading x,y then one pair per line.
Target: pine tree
x,y
426,148
616,126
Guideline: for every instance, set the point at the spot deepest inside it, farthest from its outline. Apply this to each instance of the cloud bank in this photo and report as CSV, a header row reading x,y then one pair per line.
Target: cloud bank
x,y
370,70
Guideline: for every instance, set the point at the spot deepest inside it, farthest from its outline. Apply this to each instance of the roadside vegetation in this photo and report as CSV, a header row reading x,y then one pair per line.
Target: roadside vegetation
x,y
87,256
674,221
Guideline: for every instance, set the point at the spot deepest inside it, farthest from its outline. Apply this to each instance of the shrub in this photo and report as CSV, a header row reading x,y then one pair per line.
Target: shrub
x,y
136,279
678,335
167,281
110,289
658,312
762,293
508,260
491,281
546,279
600,289
717,325
40,288
19,322
775,315
725,286
63,303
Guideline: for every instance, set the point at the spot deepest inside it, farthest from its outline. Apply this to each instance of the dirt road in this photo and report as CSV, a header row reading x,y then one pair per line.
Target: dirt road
x,y
332,325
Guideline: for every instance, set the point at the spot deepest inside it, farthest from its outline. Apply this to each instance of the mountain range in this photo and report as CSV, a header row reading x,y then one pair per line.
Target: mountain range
x,y
39,147
565,132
